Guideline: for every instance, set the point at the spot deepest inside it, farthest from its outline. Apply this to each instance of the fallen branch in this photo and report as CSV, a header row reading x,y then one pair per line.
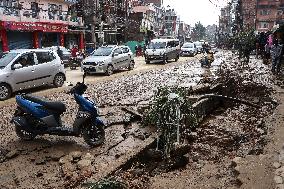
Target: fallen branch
x,y
136,114
220,97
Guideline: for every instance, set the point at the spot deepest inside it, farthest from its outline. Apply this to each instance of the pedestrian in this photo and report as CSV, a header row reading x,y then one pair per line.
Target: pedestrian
x,y
60,53
136,50
74,51
276,52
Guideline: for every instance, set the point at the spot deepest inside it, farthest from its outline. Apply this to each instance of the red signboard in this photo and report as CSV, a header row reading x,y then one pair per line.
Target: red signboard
x,y
35,26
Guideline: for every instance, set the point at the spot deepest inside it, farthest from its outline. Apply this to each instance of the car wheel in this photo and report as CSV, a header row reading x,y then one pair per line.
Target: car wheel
x,y
165,60
5,91
59,80
109,70
147,61
131,65
177,57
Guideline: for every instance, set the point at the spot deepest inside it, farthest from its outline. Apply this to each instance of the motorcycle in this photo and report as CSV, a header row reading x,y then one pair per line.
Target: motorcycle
x,y
75,62
207,59
37,116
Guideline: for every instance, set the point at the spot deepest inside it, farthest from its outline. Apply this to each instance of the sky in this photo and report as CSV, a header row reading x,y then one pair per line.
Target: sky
x,y
192,11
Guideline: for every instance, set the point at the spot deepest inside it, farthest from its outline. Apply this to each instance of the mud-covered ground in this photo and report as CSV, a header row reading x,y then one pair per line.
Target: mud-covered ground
x,y
233,130
39,164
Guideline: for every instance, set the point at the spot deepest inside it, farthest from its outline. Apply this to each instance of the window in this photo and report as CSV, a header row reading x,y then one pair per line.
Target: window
x,y
264,25
125,50
35,9
26,60
44,57
117,51
265,12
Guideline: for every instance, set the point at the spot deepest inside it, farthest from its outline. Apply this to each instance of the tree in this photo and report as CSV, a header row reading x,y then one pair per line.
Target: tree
x,y
199,31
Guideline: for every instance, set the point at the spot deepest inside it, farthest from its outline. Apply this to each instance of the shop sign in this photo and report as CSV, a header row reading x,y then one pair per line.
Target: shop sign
x,y
35,26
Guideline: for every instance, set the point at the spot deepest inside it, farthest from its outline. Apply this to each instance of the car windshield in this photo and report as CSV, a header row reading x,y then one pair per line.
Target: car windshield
x,y
102,51
6,58
198,44
188,46
157,45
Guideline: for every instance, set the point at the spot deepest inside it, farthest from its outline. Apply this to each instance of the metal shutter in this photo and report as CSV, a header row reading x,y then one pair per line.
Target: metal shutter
x,y
20,40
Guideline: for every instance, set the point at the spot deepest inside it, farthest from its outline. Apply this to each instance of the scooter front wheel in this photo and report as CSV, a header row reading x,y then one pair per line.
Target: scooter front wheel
x,y
94,135
24,135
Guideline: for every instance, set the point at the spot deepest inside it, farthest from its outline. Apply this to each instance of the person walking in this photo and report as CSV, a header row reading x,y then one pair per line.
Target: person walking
x,y
60,53
276,52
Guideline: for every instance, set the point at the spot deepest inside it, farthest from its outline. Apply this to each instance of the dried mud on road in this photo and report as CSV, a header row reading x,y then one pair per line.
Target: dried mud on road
x,y
232,130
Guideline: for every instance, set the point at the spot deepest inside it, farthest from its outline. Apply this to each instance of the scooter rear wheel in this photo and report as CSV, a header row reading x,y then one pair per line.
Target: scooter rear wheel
x,y
94,135
24,135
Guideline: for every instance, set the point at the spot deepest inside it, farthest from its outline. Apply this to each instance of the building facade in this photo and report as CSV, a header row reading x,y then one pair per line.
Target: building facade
x,y
39,23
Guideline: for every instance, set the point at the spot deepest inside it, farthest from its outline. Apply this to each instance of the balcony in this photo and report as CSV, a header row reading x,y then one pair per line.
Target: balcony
x,y
16,15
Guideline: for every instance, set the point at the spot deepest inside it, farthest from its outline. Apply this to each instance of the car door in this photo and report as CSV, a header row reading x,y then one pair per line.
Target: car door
x,y
45,67
127,56
24,77
117,58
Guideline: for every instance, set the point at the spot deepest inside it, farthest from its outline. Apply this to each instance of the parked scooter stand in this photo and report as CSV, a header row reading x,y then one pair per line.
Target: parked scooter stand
x,y
37,116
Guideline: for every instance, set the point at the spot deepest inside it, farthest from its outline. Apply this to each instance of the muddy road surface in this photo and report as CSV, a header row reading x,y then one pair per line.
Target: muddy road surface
x,y
66,162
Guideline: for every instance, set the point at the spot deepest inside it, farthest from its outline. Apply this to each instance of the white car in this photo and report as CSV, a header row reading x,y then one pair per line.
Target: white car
x,y
188,49
29,68
107,59
198,46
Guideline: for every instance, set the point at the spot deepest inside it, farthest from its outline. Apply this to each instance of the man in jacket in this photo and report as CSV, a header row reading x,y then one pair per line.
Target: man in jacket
x,y
276,52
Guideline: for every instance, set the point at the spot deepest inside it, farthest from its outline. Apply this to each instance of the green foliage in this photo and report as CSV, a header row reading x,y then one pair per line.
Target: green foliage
x,y
199,31
245,43
106,184
172,114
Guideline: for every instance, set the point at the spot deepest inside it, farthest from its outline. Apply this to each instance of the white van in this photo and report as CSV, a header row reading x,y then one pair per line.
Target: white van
x,y
162,49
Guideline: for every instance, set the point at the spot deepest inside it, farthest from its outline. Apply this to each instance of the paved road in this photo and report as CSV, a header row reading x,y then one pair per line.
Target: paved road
x,y
74,76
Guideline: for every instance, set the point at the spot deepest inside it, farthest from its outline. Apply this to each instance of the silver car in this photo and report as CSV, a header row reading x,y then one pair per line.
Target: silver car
x,y
107,59
29,68
188,49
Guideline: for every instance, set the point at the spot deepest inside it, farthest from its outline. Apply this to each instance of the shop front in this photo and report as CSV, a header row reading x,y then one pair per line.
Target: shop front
x,y
18,35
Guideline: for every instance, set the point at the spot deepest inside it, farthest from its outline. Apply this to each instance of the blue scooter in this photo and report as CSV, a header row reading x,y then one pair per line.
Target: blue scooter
x,y
37,116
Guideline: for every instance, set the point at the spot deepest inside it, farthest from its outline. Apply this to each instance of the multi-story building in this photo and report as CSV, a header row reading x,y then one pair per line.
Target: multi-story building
x,y
170,23
39,23
268,14
225,20
249,13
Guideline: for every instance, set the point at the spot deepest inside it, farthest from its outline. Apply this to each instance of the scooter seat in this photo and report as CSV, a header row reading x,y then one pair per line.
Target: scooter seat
x,y
56,106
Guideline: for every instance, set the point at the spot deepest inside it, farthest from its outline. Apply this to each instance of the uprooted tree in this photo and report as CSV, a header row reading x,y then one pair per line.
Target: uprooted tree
x,y
172,114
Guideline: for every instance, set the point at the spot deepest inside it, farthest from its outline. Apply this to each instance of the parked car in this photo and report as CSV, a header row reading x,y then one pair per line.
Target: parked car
x,y
162,49
28,68
107,59
66,53
188,49
199,47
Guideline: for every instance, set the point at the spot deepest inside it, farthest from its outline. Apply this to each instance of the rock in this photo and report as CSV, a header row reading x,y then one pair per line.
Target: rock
x,y
12,154
279,171
276,165
40,161
278,180
88,156
68,169
55,156
65,159
76,154
236,161
39,174
280,186
82,164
